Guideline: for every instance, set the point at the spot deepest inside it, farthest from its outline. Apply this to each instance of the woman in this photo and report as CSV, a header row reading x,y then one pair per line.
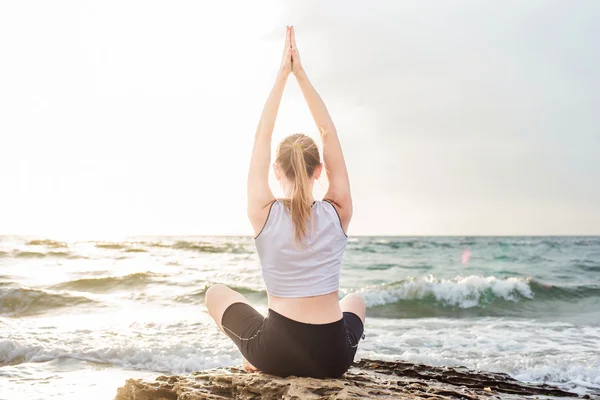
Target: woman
x,y
300,243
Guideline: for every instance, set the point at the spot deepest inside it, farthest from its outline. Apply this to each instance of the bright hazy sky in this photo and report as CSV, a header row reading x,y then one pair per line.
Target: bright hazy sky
x,y
456,117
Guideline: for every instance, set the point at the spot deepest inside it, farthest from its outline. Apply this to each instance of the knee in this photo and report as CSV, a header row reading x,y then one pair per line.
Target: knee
x,y
212,293
355,298
353,302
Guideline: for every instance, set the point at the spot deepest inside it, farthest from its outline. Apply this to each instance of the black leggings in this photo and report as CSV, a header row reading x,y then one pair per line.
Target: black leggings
x,y
281,346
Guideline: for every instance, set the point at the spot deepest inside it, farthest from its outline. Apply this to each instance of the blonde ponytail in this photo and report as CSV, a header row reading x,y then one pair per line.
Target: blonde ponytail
x,y
299,156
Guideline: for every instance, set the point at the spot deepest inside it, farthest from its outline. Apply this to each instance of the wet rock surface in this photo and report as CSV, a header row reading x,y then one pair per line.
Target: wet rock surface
x,y
367,379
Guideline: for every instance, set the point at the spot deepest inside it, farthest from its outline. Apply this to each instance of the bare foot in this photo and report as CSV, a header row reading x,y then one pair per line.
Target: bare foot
x,y
247,366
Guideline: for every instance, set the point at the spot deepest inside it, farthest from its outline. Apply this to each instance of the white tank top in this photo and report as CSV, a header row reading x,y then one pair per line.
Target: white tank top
x,y
313,270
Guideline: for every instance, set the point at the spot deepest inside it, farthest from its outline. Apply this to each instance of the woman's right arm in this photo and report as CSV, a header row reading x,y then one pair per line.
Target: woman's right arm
x,y
338,191
260,196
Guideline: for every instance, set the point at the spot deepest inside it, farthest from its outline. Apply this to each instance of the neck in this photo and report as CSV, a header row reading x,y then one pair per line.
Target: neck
x,y
288,189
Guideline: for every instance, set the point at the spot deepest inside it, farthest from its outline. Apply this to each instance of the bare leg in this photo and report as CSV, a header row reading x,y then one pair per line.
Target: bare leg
x,y
217,298
355,304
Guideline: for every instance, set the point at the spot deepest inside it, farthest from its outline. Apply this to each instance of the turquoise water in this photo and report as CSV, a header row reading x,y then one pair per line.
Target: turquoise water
x,y
524,277
81,315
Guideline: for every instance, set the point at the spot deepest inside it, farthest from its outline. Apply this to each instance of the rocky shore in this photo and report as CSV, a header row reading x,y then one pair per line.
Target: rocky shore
x,y
367,379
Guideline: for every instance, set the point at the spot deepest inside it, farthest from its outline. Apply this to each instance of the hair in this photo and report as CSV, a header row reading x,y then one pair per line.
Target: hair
x,y
298,157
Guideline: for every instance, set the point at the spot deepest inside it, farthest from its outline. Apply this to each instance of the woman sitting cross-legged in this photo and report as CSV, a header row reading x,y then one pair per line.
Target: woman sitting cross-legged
x,y
300,242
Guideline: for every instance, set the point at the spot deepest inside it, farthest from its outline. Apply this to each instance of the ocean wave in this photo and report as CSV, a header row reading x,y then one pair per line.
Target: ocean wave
x,y
135,250
570,377
27,254
106,284
15,302
523,242
506,257
528,350
37,254
565,293
158,355
380,266
111,246
586,265
552,243
593,268
365,249
375,246
463,292
127,247
591,241
430,295
548,242
206,247
47,243
153,244
197,296
196,246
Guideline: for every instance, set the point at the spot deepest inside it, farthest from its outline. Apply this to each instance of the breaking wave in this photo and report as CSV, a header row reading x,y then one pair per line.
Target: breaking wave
x,y
17,302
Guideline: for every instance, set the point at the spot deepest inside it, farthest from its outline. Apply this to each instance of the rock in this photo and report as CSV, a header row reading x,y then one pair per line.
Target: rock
x,y
367,379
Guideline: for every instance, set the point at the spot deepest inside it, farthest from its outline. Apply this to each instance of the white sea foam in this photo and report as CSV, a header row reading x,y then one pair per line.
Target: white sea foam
x,y
161,349
550,352
464,292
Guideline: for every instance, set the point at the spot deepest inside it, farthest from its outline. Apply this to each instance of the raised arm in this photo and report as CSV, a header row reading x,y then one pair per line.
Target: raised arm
x,y
260,196
338,191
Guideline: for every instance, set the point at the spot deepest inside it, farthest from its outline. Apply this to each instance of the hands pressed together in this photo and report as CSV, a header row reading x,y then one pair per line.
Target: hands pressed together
x,y
291,58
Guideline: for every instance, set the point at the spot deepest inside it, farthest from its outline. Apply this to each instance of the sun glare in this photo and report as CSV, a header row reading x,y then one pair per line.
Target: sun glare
x,y
130,142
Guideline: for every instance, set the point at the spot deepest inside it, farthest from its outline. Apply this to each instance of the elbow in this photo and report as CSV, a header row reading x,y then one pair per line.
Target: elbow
x,y
328,130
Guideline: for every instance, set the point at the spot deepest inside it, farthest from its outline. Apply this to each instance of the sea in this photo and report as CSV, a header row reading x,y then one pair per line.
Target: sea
x,y
80,317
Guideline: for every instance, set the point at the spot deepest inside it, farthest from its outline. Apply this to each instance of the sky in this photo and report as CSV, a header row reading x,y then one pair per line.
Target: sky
x,y
456,117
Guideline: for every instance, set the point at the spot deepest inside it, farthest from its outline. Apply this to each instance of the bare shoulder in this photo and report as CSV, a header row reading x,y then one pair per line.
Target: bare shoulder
x,y
259,215
344,213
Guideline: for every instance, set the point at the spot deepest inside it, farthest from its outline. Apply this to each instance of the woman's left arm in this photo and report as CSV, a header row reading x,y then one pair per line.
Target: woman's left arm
x,y
259,193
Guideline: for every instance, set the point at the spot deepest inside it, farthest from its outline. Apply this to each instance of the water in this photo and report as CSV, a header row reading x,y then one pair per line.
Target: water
x,y
78,318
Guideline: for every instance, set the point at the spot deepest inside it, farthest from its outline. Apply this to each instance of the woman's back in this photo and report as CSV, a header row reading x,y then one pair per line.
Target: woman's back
x,y
303,279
